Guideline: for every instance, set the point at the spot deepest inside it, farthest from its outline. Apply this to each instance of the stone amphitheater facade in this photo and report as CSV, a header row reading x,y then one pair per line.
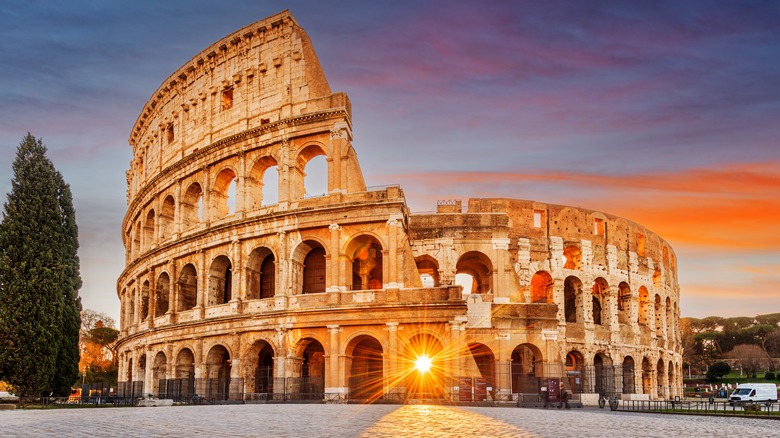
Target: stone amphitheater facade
x,y
238,285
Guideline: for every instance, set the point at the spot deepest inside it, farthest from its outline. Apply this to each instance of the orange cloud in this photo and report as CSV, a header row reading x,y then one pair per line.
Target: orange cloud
x,y
730,206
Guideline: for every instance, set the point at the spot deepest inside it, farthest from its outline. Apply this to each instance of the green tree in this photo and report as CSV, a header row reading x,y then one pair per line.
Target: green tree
x,y
717,370
39,277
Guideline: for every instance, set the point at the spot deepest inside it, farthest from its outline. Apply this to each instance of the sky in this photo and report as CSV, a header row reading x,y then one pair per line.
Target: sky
x,y
666,113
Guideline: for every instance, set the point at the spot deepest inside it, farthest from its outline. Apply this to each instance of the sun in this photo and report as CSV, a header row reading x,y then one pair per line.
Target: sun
x,y
423,363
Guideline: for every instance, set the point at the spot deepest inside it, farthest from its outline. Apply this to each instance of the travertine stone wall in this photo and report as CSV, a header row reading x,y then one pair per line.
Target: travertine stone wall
x,y
233,290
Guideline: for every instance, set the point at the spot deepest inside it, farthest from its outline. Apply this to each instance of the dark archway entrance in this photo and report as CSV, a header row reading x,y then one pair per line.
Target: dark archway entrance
x,y
366,377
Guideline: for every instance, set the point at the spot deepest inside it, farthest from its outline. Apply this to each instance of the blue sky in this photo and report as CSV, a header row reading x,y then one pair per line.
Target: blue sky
x,y
662,112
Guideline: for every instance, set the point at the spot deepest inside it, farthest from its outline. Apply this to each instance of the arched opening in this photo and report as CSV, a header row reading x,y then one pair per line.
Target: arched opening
x,y
161,296
263,183
261,369
600,289
218,367
479,267
188,288
167,217
424,382
624,303
136,250
645,311
184,373
192,206
657,278
220,281
131,308
542,287
149,239
629,386
660,374
158,384
659,316
575,371
604,375
366,256
526,369
669,321
572,299
312,380
647,376
671,384
129,386
365,372
428,268
140,373
271,186
572,256
309,264
145,300
485,363
316,177
261,274
221,202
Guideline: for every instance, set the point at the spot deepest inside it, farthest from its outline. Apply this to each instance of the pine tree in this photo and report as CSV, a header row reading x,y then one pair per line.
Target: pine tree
x,y
39,277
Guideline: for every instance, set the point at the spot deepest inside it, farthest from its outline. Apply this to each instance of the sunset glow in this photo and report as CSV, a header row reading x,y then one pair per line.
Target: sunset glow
x,y
423,364
660,112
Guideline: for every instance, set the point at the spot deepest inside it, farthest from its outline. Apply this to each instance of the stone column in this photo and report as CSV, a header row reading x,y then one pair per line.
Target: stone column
x,y
203,285
148,372
152,297
334,273
335,378
392,278
173,287
241,189
501,287
392,371
455,365
178,217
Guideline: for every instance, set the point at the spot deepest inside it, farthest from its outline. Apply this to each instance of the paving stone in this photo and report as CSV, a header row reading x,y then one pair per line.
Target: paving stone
x,y
304,420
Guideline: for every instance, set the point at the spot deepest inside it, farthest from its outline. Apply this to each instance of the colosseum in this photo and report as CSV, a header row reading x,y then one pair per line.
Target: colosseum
x,y
240,286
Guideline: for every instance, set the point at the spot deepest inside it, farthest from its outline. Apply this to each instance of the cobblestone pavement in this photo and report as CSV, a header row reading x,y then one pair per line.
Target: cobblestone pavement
x,y
304,420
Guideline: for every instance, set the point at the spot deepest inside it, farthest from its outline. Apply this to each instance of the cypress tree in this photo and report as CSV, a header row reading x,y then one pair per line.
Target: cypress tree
x,y
67,365
39,277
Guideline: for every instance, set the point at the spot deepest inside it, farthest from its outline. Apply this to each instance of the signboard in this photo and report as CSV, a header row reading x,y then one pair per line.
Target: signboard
x,y
553,390
464,388
480,389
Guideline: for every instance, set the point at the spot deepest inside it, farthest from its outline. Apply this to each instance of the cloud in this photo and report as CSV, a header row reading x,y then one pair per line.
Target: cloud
x,y
729,206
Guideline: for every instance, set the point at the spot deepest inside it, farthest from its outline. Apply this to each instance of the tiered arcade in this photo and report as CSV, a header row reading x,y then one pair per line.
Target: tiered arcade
x,y
239,285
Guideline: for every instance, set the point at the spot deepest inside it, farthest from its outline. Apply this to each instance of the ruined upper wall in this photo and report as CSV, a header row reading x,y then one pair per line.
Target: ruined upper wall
x,y
262,74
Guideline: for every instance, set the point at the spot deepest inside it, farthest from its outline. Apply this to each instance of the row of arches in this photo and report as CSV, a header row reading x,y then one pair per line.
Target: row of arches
x,y
258,278
226,192
369,373
598,306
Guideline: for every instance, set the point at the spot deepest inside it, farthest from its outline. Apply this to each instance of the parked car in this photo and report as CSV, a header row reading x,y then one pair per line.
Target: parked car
x,y
7,397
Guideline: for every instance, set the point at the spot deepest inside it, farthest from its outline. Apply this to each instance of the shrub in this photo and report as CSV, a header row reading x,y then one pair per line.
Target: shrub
x,y
769,375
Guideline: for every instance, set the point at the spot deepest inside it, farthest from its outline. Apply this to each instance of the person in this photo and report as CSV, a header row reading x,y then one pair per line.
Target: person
x,y
546,396
564,398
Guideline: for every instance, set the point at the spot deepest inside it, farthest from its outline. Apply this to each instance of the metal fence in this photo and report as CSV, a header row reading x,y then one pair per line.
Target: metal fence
x,y
701,407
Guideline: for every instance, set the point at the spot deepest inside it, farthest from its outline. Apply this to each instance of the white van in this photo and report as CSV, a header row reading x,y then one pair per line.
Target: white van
x,y
754,392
